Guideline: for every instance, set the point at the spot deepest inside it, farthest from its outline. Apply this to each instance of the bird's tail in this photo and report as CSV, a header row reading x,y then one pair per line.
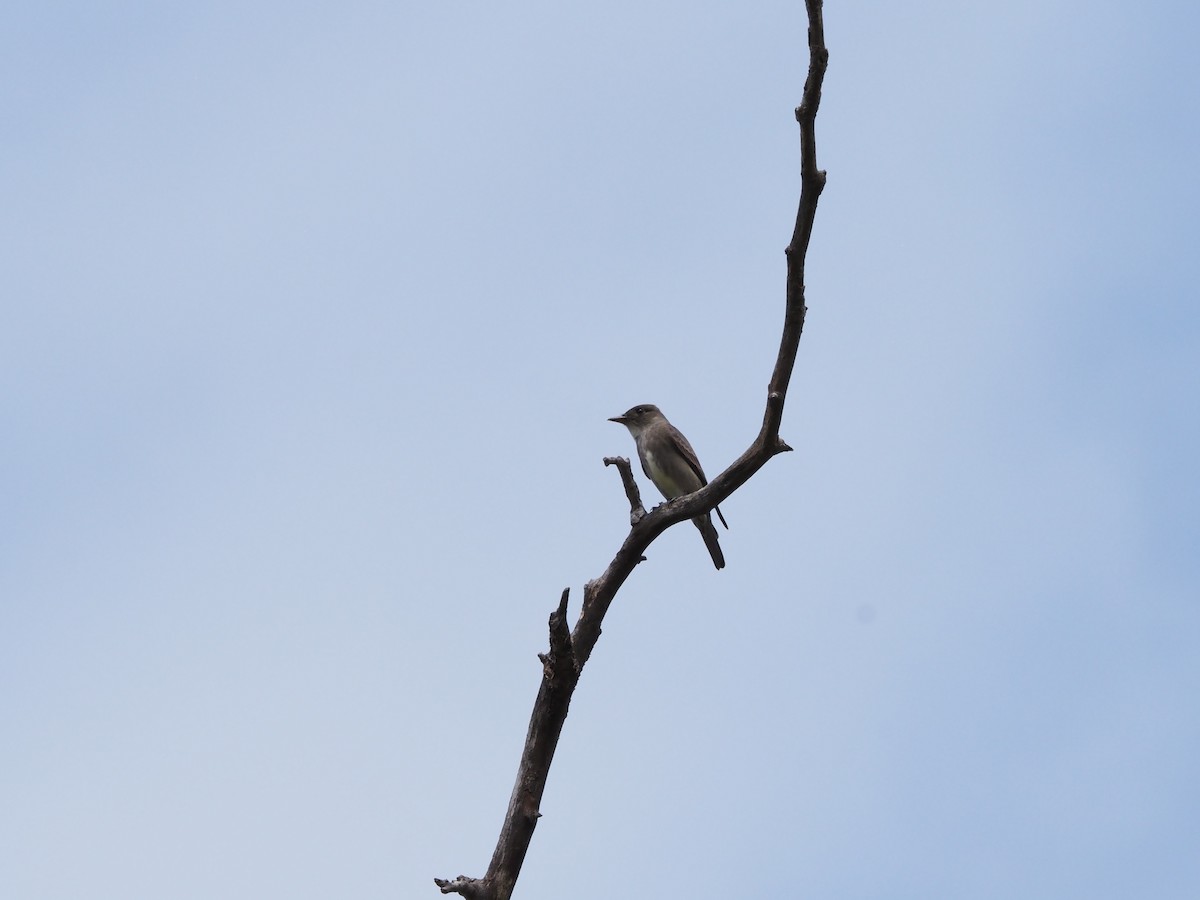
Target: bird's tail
x,y
709,532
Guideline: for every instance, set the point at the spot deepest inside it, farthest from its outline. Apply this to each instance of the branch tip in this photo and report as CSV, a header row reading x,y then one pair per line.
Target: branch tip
x,y
632,494
561,650
468,887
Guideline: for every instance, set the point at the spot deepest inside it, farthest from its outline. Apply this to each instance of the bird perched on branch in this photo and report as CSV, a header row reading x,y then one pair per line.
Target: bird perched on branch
x,y
670,462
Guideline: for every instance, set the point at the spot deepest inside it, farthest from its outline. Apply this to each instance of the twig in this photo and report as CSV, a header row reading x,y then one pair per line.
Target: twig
x,y
636,510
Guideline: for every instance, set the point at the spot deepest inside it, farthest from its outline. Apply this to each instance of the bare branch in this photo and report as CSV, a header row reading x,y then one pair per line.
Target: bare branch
x,y
636,510
812,182
570,651
559,677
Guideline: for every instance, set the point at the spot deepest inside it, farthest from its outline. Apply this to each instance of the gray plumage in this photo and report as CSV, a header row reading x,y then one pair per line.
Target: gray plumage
x,y
670,462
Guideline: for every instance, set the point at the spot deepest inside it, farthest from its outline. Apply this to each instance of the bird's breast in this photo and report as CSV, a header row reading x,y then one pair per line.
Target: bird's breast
x,y
661,476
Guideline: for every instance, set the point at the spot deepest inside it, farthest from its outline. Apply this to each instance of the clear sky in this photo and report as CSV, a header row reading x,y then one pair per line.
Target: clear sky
x,y
312,316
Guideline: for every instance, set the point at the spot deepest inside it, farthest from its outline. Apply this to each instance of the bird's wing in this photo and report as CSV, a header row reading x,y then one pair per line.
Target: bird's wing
x,y
681,443
690,455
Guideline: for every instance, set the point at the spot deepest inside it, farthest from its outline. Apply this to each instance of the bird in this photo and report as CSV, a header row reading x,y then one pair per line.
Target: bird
x,y
670,462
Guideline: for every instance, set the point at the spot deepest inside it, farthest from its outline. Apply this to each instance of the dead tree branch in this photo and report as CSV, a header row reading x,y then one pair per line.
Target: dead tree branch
x,y
569,652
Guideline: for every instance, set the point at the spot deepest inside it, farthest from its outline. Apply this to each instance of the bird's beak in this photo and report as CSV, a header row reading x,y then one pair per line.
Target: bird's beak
x,y
620,420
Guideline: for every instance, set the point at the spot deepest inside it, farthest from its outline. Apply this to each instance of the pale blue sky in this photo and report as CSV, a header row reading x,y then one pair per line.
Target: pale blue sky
x,y
313,315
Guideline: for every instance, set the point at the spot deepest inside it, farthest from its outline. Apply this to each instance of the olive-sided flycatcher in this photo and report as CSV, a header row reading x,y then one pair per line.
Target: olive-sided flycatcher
x,y
670,462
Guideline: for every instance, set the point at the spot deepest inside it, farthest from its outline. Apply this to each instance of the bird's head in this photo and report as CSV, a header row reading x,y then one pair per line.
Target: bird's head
x,y
639,417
